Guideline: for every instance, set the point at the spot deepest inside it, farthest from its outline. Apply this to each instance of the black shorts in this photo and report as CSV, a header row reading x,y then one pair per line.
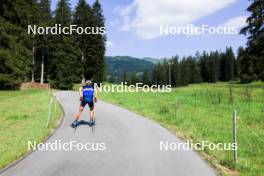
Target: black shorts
x,y
90,104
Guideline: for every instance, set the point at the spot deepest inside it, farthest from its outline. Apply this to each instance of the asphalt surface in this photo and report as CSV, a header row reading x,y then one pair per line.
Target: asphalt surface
x,y
124,144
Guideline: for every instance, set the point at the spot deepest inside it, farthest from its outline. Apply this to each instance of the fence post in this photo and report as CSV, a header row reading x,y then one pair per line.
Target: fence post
x,y
49,114
55,104
176,109
235,135
176,103
139,102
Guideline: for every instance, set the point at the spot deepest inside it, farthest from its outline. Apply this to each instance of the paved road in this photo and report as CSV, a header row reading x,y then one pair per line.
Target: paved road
x,y
132,148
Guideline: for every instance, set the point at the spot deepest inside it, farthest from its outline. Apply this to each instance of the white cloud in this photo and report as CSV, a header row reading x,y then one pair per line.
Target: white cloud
x,y
144,17
237,22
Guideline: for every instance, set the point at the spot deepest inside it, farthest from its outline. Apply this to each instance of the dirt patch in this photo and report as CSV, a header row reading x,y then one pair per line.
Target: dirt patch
x,y
34,85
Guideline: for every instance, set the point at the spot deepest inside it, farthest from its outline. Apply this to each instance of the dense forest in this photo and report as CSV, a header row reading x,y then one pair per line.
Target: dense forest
x,y
206,67
61,59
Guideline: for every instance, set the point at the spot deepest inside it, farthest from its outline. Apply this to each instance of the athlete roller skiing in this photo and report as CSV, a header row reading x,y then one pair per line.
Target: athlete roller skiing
x,y
88,95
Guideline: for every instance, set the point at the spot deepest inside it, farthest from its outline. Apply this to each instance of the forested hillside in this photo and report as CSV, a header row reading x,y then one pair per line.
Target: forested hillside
x,y
121,68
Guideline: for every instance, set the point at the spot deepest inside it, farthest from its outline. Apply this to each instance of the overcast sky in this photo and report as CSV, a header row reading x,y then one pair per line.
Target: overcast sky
x,y
133,25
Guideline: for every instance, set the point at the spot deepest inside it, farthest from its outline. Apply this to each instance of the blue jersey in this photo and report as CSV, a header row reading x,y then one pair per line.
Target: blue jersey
x,y
88,93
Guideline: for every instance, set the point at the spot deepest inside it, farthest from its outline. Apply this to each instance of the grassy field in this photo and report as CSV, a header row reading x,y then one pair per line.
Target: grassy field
x,y
204,112
23,117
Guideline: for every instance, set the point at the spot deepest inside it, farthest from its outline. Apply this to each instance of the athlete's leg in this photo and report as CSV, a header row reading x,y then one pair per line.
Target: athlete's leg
x,y
79,113
92,111
82,105
76,121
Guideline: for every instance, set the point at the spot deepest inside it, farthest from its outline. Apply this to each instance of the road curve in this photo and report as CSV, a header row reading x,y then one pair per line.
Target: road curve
x,y
132,147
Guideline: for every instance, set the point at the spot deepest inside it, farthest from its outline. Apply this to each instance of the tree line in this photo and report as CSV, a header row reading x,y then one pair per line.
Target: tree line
x,y
60,60
206,67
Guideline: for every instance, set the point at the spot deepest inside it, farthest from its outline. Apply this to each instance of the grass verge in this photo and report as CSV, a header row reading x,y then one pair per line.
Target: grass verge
x,y
204,112
23,118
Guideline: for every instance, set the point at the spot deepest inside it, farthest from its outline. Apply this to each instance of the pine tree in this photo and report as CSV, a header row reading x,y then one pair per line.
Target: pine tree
x,y
190,65
98,47
238,63
204,65
195,71
83,17
20,12
14,56
185,72
222,67
124,77
212,69
255,45
227,63
134,79
155,75
247,73
176,74
230,58
65,66
159,74
42,42
146,78
15,45
112,78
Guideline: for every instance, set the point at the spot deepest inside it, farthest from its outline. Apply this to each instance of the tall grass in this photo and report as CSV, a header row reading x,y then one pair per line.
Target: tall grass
x,y
203,112
23,118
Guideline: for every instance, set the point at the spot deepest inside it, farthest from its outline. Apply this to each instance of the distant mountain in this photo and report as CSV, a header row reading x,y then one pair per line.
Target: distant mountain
x,y
118,65
155,61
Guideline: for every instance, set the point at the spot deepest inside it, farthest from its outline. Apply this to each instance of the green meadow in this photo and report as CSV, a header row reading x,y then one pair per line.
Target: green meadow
x,y
23,118
204,112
